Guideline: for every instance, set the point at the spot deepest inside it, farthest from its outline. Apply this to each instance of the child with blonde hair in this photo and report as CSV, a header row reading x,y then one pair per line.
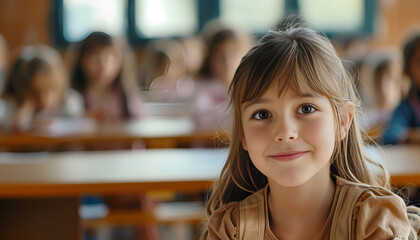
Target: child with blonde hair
x,y
297,168
37,91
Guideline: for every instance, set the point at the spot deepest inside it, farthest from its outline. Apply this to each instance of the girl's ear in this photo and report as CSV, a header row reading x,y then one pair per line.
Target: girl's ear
x,y
347,115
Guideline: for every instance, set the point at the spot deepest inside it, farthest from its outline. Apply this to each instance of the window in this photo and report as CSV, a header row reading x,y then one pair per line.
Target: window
x,y
254,16
141,20
332,15
81,17
166,18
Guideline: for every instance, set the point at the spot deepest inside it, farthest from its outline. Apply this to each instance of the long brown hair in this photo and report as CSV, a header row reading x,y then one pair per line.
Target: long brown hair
x,y
282,55
125,80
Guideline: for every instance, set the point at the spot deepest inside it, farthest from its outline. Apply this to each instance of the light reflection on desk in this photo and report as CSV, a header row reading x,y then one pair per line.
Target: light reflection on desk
x,y
110,172
402,162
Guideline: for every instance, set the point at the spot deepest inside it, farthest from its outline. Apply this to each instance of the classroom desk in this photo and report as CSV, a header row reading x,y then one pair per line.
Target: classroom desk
x,y
40,191
150,132
108,172
135,171
402,162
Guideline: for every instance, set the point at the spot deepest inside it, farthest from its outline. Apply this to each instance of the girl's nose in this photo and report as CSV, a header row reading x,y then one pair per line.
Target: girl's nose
x,y
286,131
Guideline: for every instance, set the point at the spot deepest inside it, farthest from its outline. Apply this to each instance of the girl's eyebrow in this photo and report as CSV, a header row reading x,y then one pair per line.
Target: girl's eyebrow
x,y
256,101
308,95
300,95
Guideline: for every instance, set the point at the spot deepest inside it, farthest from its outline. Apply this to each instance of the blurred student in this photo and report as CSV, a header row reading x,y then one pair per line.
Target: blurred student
x,y
153,64
103,75
3,62
37,91
224,48
407,114
356,51
385,75
167,79
194,54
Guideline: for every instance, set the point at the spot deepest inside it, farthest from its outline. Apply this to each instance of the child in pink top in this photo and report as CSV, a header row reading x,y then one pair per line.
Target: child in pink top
x,y
104,76
37,91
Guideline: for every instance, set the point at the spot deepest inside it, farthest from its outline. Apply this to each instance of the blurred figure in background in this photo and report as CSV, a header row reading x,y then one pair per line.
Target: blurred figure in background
x,y
407,114
168,80
224,48
384,72
104,74
3,62
355,51
153,65
194,54
37,91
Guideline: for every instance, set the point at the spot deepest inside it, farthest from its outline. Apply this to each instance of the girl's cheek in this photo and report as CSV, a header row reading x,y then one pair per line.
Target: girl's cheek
x,y
319,129
255,130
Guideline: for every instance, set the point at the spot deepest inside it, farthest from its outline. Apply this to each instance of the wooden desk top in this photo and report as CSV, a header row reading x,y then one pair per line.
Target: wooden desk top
x,y
117,172
402,162
155,132
112,172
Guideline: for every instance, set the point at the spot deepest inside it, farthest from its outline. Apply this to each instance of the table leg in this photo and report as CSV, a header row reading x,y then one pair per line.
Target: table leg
x,y
39,218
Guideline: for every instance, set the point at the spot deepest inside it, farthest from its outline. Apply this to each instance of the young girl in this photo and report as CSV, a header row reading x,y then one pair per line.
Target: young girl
x,y
37,91
407,113
297,168
103,75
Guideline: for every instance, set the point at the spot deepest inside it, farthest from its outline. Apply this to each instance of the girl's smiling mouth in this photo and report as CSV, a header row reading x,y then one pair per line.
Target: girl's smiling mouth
x,y
288,156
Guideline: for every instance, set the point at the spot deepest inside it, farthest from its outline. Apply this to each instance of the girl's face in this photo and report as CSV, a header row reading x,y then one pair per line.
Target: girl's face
x,y
389,93
414,67
225,59
101,65
289,138
47,89
176,67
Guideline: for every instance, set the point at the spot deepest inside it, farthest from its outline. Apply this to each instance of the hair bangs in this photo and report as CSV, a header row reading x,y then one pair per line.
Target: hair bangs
x,y
289,68
260,69
322,68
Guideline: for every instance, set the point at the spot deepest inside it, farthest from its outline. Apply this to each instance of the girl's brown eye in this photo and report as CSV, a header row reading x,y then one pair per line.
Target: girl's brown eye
x,y
262,114
305,109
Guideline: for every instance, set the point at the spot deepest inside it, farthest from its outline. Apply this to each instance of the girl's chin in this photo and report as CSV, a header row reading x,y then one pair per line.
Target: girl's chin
x,y
290,182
